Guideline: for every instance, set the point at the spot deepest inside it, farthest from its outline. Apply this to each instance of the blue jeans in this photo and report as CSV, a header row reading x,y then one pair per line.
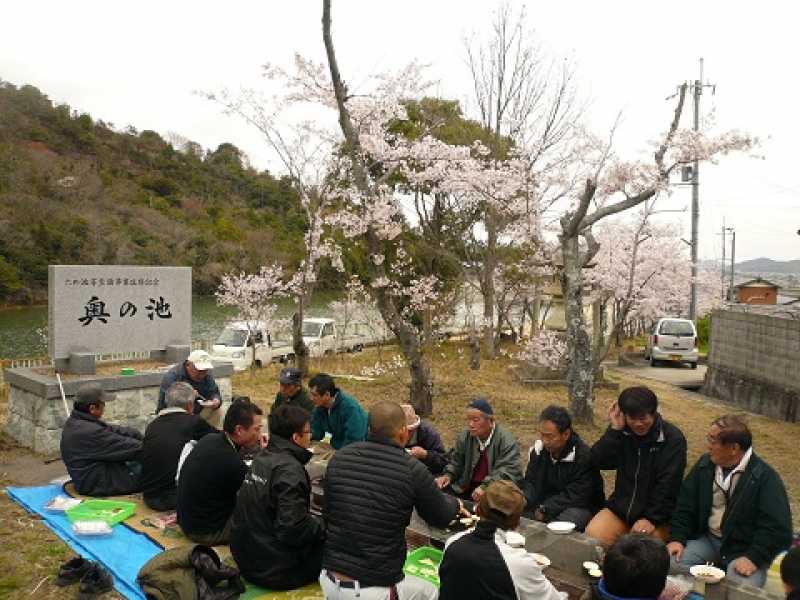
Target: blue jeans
x,y
706,549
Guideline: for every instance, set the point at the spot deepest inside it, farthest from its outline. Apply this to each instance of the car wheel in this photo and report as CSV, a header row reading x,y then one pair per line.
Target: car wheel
x,y
258,363
653,361
694,365
358,348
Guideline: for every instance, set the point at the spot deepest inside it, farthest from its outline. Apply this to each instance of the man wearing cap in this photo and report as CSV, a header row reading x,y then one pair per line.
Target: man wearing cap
x,y
196,371
485,451
482,564
102,459
424,442
291,391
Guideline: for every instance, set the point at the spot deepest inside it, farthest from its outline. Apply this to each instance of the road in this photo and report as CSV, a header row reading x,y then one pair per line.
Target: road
x,y
679,375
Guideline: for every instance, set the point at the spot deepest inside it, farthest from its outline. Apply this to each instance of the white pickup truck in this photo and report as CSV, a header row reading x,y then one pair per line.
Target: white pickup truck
x,y
236,344
322,337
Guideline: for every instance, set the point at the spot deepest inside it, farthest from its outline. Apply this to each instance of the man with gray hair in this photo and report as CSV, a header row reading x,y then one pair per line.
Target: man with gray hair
x,y
164,439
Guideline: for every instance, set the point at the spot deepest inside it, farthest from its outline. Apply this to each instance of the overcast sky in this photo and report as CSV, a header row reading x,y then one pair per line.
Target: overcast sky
x,y
138,63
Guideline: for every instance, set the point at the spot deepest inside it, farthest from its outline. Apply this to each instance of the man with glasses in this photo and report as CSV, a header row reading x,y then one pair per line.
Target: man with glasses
x,y
732,509
560,483
275,540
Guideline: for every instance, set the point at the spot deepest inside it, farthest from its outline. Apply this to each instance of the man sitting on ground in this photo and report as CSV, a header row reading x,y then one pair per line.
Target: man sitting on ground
x,y
636,566
164,440
705,528
649,455
485,451
424,442
291,391
196,371
335,413
102,459
371,489
275,541
213,473
481,564
790,573
560,483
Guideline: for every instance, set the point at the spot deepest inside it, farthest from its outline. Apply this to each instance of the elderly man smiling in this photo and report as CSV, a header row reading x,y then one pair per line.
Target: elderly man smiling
x,y
485,451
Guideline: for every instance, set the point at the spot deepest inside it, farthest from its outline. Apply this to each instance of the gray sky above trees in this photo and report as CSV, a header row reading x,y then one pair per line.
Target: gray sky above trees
x,y
138,64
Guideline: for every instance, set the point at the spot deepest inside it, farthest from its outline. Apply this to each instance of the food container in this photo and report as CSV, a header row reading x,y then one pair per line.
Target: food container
x,y
561,527
93,528
424,563
108,511
127,371
541,560
61,503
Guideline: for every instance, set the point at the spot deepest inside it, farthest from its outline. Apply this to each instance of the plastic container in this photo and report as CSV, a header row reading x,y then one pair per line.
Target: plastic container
x,y
62,503
107,511
93,528
424,563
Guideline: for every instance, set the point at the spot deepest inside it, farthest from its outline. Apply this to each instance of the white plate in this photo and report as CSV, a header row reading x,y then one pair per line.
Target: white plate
x,y
515,539
707,573
561,527
541,560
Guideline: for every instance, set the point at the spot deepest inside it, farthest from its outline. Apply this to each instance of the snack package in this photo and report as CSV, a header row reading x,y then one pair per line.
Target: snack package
x,y
91,528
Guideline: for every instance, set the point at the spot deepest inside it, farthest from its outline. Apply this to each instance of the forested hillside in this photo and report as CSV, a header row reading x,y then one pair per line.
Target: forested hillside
x,y
75,190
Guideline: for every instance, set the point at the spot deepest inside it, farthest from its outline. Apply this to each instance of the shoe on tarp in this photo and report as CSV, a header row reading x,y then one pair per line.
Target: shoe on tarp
x,y
72,571
96,581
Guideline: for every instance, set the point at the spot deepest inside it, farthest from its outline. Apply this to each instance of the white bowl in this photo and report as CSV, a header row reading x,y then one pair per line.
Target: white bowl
x,y
541,560
561,527
707,573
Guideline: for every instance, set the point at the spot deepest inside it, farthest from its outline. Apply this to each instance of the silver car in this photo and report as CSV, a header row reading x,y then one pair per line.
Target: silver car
x,y
673,340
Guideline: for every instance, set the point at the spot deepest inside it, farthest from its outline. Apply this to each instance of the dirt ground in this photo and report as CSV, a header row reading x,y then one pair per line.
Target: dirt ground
x,y
31,553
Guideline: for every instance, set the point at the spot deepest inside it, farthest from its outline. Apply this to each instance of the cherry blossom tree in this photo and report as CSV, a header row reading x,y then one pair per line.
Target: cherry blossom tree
x,y
611,185
253,295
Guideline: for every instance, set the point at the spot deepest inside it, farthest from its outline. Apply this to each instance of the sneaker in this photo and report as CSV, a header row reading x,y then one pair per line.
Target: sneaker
x,y
96,581
72,571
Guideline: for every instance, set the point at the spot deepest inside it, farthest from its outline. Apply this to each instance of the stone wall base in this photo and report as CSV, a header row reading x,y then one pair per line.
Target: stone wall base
x,y
754,395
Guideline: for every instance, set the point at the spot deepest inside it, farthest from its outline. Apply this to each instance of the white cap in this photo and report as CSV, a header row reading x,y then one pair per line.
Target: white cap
x,y
201,360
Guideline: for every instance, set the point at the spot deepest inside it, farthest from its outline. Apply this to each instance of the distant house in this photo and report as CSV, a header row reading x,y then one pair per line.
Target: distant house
x,y
756,291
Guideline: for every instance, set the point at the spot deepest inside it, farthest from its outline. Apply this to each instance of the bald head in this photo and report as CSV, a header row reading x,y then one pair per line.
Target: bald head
x,y
387,419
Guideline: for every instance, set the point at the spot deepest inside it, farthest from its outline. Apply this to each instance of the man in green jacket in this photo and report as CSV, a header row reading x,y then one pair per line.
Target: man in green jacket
x,y
336,413
291,391
732,509
485,451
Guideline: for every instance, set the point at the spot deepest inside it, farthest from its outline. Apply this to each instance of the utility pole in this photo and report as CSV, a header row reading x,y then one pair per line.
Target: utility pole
x,y
733,257
722,270
697,91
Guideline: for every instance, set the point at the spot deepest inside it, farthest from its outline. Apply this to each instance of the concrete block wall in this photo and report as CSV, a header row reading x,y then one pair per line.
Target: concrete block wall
x,y
752,362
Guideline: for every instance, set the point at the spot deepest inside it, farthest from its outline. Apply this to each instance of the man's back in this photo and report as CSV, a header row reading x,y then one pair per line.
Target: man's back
x,y
210,478
371,489
164,439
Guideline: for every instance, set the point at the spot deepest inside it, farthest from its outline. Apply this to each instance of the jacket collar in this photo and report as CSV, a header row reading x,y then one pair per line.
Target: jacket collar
x,y
279,444
606,595
172,410
84,416
569,453
654,436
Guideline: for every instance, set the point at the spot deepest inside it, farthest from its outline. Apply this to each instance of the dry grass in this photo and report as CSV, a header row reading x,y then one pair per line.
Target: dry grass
x,y
31,552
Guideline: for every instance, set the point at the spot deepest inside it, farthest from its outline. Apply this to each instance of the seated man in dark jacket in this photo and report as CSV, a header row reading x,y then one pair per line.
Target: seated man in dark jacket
x,y
485,451
424,442
790,573
482,564
635,567
275,540
705,528
560,483
164,440
213,473
101,458
649,455
371,489
291,391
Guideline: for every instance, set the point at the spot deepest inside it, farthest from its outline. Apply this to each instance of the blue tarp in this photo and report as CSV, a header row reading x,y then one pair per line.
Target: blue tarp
x,y
123,553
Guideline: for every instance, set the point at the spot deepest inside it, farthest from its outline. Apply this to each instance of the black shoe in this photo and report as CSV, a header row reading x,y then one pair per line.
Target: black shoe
x,y
97,581
72,571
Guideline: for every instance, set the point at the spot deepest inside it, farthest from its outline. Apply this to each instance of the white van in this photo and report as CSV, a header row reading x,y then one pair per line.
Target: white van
x,y
672,340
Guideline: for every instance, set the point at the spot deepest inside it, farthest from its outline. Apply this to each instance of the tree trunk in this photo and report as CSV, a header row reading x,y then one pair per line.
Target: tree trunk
x,y
580,371
298,345
487,285
474,350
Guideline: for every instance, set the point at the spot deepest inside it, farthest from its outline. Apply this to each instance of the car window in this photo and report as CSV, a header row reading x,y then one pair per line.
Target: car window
x,y
677,328
327,330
